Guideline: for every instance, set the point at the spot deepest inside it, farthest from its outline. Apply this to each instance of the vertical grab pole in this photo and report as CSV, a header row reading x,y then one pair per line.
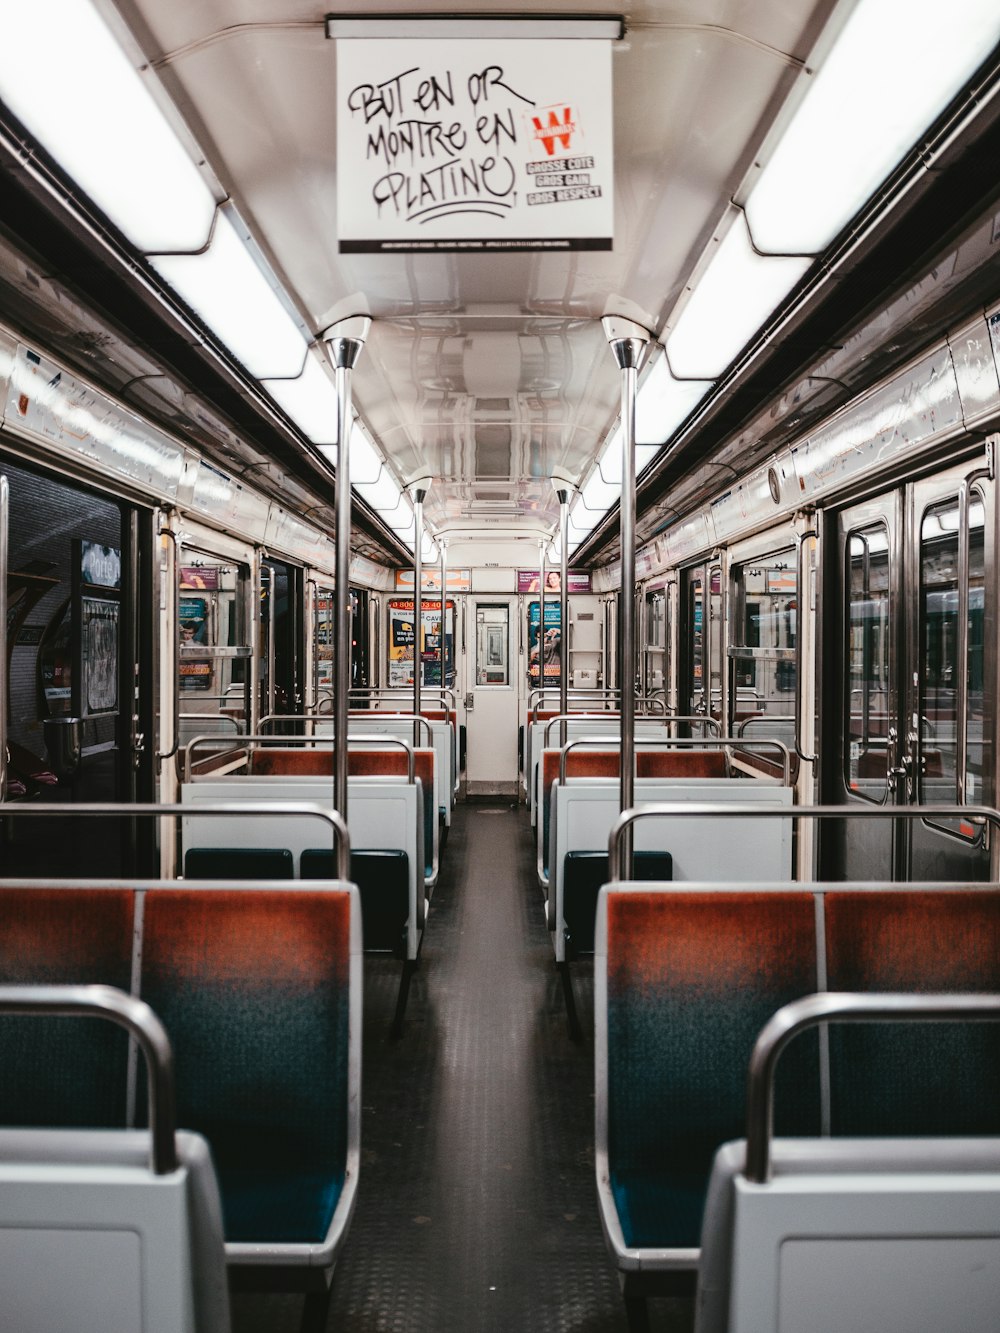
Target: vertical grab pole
x,y
4,539
628,343
563,494
541,627
443,644
344,342
418,490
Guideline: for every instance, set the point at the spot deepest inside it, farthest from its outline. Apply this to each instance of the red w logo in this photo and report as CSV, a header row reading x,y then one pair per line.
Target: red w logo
x,y
556,129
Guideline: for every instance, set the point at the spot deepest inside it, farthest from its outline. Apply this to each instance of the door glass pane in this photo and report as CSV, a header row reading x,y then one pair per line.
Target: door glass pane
x,y
763,634
696,607
657,663
214,646
492,645
939,644
715,642
866,761
324,612
976,717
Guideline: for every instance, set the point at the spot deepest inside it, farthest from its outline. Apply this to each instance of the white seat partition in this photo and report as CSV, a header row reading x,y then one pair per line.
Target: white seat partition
x,y
110,1231
715,848
821,1235
384,812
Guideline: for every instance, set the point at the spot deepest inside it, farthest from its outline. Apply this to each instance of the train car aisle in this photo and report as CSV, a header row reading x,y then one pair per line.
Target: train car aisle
x,y
477,1207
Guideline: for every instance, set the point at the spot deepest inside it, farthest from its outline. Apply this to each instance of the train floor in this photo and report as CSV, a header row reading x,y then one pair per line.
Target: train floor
x,y
477,1208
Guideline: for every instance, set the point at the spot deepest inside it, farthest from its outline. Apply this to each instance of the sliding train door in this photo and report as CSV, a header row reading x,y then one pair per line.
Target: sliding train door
x,y
909,692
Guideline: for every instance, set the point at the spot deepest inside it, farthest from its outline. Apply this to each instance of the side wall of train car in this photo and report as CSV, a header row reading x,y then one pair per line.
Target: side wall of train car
x,y
881,524
153,598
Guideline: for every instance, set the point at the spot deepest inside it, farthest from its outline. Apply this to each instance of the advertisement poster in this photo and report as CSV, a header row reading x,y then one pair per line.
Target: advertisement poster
x,y
576,581
401,635
474,145
194,674
551,646
459,580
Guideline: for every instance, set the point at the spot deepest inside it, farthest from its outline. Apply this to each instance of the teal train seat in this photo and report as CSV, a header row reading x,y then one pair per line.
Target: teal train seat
x,y
684,980
239,863
259,987
382,877
108,1230
584,874
59,1071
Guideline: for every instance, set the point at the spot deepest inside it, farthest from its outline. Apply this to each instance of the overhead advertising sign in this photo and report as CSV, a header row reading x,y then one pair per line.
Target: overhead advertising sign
x,y
474,145
576,580
459,580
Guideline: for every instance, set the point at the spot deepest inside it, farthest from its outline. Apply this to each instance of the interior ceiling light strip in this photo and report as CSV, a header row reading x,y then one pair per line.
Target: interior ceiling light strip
x,y
890,74
484,27
65,77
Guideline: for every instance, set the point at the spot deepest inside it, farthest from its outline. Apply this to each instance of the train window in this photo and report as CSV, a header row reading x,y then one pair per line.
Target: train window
x,y
975,713
493,644
696,638
869,649
214,648
657,642
762,647
951,710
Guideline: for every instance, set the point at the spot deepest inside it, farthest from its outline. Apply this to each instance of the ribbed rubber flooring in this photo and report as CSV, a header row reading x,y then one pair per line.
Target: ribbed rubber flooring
x,y
477,1208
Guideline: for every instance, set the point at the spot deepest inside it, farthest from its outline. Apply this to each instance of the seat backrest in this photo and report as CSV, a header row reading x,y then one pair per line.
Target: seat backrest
x,y
107,1230
927,940
239,863
684,980
58,1071
255,988
899,1235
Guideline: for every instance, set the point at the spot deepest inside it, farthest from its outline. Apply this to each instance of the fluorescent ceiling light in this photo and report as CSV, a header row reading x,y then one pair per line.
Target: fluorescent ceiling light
x,y
610,462
663,402
486,27
599,494
311,401
731,300
66,78
890,74
381,494
226,287
366,465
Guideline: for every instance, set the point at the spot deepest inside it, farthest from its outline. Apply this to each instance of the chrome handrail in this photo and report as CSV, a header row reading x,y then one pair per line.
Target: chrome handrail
x,y
242,809
684,743
841,1007
660,810
136,1017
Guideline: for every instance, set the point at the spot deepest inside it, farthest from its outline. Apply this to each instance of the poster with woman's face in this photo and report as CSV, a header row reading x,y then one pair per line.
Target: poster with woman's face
x,y
544,658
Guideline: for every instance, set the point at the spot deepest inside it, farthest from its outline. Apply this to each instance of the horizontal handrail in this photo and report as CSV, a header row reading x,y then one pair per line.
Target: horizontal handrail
x,y
660,810
668,720
380,738
840,1007
313,742
682,743
136,1017
241,809
397,692
399,717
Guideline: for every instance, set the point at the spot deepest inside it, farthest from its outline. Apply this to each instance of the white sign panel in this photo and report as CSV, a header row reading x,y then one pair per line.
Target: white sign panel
x,y
474,145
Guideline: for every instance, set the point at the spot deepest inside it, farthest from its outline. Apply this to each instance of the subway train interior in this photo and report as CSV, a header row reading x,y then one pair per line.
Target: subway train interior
x,y
499,557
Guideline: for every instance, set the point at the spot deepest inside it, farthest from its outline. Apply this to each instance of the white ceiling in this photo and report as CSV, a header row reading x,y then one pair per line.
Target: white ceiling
x,y
491,372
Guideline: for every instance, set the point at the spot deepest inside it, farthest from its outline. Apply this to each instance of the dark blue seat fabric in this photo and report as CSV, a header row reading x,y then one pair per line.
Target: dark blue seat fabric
x,y
691,979
382,877
286,1206
239,863
584,874
64,1072
253,988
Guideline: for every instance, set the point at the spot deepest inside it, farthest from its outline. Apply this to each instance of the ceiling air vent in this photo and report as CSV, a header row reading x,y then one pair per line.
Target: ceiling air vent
x,y
492,405
493,451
